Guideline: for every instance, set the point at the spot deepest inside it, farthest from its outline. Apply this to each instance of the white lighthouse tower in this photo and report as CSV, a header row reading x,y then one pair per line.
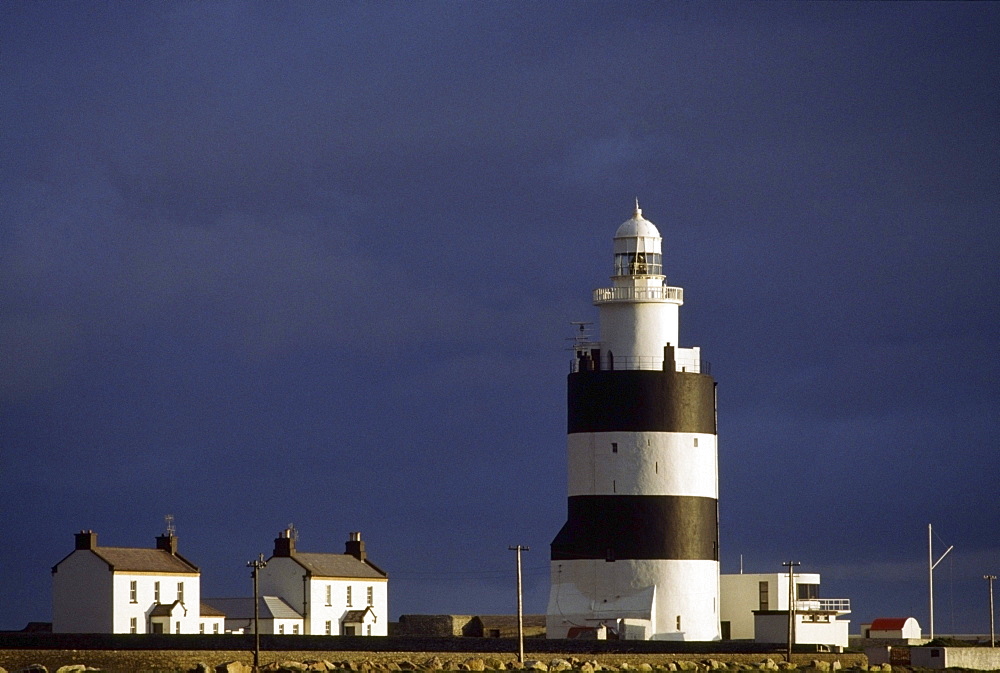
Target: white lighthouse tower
x,y
639,553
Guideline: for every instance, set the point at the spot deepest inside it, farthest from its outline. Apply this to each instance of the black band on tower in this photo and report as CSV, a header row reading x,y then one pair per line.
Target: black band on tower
x,y
619,527
641,400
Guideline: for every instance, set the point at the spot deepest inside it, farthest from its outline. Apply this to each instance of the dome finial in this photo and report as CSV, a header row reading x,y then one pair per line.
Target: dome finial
x,y
638,210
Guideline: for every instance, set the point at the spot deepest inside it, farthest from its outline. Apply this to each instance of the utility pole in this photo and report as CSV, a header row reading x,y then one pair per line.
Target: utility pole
x,y
791,606
931,565
990,578
256,564
520,611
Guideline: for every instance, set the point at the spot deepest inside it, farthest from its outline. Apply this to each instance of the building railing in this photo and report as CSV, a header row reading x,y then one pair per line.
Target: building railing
x,y
622,363
662,293
825,604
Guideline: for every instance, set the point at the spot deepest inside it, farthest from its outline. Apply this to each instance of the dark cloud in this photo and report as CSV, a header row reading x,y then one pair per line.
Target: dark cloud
x,y
315,263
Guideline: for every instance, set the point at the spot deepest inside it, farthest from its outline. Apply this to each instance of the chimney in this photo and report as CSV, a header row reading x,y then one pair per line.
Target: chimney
x,y
356,547
86,539
284,544
167,543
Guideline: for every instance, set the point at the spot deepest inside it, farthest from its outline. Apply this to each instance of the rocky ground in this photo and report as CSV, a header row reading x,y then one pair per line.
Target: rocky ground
x,y
53,661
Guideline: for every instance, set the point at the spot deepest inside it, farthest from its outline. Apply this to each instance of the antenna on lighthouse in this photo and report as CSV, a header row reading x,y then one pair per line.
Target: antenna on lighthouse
x,y
171,529
582,338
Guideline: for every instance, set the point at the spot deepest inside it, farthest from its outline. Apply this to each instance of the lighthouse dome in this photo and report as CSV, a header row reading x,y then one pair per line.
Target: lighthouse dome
x,y
637,225
638,248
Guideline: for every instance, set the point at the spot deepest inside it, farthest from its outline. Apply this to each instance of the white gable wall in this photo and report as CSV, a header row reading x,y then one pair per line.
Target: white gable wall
x,y
82,595
283,577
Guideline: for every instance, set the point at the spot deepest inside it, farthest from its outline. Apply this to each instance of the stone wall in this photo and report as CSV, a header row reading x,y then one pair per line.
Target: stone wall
x,y
429,625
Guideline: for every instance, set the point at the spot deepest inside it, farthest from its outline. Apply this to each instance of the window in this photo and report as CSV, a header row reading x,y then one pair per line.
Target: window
x,y
371,596
807,592
678,622
180,591
215,627
696,441
638,263
156,592
133,624
348,596
177,627
369,632
281,629
133,593
762,592
614,447
329,628
201,628
329,594
295,629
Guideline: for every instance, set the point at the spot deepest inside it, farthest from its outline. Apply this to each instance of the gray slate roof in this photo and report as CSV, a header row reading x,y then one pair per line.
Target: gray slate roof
x,y
270,607
210,611
356,616
125,559
163,609
336,565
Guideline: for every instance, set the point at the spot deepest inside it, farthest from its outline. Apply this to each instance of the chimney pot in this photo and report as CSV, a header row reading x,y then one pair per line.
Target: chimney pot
x,y
86,539
284,544
356,547
167,543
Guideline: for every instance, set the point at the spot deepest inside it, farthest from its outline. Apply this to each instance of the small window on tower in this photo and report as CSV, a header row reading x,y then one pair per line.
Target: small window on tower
x,y
614,447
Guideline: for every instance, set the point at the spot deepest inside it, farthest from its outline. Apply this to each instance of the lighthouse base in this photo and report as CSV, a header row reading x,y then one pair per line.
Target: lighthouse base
x,y
647,599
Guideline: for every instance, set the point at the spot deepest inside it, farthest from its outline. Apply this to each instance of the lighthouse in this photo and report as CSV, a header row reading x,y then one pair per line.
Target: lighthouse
x,y
639,553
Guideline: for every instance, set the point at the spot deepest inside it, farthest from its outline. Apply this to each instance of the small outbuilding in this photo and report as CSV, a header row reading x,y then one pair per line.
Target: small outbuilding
x,y
895,628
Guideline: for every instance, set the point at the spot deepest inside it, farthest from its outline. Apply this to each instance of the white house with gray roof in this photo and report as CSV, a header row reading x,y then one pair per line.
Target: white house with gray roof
x,y
126,590
336,594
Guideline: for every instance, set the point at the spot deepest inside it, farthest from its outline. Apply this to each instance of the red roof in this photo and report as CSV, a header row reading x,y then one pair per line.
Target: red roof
x,y
889,624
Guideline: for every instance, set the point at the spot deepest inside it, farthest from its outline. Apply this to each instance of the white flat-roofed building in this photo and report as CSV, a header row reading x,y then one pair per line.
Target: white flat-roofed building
x,y
336,594
755,607
125,589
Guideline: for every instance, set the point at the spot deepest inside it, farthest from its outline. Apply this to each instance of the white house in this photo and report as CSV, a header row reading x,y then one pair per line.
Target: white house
x,y
125,590
335,594
756,606
212,620
275,615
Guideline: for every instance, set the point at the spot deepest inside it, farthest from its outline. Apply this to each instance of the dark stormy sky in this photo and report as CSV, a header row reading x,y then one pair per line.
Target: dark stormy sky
x,y
316,263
